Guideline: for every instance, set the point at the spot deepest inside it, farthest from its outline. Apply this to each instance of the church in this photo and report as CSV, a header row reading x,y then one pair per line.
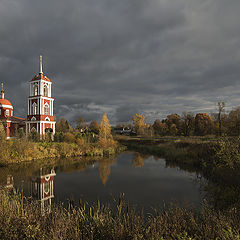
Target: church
x,y
40,117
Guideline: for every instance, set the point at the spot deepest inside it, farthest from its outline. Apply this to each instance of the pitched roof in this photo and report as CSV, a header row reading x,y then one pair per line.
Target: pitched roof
x,y
16,119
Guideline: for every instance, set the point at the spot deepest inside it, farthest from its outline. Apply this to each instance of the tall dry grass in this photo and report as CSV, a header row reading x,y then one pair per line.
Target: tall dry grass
x,y
23,220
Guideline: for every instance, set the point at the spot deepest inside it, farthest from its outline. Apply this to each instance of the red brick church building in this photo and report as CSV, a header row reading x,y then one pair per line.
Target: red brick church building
x,y
40,116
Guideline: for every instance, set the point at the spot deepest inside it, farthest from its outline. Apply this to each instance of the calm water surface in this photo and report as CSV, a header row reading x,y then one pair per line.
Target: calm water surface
x,y
145,181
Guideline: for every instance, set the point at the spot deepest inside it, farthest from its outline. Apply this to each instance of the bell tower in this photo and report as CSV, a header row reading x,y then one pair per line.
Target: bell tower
x,y
40,116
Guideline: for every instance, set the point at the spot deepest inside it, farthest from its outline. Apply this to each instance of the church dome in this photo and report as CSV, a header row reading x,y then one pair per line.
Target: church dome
x,y
5,103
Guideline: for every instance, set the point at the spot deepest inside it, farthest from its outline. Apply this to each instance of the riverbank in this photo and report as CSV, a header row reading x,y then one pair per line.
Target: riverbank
x,y
217,158
189,151
16,151
25,221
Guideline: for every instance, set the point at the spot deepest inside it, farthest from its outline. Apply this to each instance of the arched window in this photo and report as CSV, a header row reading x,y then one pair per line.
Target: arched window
x,y
46,109
45,91
35,90
34,108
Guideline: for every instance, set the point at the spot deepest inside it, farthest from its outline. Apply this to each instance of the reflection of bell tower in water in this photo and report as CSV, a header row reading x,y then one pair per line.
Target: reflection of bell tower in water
x,y
42,189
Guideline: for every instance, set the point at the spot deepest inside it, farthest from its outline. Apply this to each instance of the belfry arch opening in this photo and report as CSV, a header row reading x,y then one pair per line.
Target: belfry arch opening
x,y
48,130
45,91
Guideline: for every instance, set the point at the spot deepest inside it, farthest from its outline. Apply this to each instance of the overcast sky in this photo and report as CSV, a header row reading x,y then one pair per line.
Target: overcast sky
x,y
122,57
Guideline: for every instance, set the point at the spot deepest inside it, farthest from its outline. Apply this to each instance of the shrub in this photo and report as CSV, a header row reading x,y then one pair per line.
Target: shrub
x,y
59,137
34,136
227,153
69,137
80,141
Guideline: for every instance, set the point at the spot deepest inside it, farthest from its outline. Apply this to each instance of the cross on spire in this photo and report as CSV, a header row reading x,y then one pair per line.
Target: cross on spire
x,y
41,67
2,91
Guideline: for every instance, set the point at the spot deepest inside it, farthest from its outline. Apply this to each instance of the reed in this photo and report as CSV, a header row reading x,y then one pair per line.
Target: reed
x,y
21,219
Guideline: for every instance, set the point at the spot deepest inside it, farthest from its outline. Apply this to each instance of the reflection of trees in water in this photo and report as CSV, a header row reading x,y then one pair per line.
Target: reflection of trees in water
x,y
138,160
72,165
25,171
104,169
183,166
220,192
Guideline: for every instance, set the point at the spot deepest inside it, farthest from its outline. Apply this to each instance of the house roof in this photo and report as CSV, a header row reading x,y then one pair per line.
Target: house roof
x,y
16,119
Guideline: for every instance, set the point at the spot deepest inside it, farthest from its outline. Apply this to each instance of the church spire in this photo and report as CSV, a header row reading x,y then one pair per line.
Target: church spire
x,y
2,91
41,67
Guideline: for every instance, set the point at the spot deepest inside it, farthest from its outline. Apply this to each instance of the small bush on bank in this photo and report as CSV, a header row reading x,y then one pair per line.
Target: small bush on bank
x,y
69,137
80,141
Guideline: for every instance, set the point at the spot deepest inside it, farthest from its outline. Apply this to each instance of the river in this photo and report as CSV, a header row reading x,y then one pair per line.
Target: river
x,y
146,181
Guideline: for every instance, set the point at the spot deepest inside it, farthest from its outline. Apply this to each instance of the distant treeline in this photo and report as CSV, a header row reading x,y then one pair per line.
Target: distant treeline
x,y
190,124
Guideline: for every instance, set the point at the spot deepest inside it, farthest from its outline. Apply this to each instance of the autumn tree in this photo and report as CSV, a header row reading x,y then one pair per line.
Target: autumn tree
x,y
233,122
105,135
188,123
173,130
160,128
174,124
157,127
203,124
63,126
139,123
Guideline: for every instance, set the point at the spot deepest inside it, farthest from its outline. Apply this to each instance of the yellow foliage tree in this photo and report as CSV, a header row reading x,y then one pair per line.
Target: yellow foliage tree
x,y
139,123
105,136
203,124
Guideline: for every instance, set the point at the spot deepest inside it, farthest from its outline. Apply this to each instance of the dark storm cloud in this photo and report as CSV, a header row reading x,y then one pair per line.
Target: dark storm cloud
x,y
121,57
